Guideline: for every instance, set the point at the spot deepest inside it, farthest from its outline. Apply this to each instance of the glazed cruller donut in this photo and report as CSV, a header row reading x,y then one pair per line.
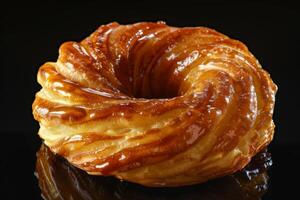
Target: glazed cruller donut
x,y
157,105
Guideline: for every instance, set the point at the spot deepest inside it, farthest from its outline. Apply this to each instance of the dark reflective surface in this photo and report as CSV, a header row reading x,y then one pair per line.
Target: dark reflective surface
x,y
59,180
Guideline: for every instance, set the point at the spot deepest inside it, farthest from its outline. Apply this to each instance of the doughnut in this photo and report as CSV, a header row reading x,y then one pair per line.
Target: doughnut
x,y
156,105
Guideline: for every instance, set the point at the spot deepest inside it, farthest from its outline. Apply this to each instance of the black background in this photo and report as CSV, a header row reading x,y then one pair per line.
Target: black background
x,y
32,32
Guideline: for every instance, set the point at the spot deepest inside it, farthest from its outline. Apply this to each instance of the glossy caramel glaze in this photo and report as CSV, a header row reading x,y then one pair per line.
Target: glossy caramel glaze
x,y
59,180
156,105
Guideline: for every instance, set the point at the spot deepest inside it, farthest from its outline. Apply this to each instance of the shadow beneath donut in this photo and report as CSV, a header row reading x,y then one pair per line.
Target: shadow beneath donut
x,y
60,180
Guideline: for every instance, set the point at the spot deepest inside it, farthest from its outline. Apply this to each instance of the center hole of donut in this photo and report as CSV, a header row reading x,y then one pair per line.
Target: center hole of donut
x,y
148,88
155,94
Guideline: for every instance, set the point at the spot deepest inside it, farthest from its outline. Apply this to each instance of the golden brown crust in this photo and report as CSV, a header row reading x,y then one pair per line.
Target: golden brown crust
x,y
156,105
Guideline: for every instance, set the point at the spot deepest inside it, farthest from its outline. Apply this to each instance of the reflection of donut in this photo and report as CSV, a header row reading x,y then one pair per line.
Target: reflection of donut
x,y
156,105
59,180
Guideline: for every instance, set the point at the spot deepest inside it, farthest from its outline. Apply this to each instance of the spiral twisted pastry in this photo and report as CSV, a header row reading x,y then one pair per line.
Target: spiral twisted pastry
x,y
156,105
